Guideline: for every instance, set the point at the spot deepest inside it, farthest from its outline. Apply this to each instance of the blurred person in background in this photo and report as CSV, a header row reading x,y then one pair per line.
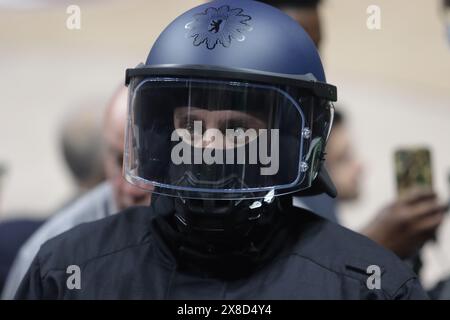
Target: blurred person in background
x,y
104,200
403,225
81,134
79,138
442,289
13,233
342,162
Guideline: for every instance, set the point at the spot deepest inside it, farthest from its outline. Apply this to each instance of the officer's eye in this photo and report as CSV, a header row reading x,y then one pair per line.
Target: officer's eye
x,y
240,130
194,127
190,126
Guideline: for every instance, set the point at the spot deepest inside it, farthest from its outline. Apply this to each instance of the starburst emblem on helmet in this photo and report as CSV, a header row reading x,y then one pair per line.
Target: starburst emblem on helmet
x,y
218,26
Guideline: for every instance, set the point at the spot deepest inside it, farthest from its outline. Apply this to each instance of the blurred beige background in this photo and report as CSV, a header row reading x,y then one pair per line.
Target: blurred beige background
x,y
394,85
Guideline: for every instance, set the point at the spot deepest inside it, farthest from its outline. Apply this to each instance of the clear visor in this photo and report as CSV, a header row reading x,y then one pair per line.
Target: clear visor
x,y
213,139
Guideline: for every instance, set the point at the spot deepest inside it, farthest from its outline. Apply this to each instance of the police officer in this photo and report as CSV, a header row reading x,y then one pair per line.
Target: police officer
x,y
228,117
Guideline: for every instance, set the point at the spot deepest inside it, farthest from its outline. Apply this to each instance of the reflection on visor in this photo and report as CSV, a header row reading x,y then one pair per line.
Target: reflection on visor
x,y
197,136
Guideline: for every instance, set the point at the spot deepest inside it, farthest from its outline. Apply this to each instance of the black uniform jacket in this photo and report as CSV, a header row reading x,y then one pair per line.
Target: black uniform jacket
x,y
138,254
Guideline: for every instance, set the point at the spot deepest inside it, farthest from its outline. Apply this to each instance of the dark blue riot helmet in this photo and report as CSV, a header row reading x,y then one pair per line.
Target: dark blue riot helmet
x,y
231,104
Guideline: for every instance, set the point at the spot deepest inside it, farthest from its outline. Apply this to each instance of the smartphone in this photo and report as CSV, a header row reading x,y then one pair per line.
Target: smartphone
x,y
413,169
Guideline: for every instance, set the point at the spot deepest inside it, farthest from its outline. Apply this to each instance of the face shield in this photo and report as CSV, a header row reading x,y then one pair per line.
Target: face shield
x,y
215,137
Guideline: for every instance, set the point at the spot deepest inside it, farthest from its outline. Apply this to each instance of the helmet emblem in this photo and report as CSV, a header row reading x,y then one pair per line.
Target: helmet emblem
x,y
218,26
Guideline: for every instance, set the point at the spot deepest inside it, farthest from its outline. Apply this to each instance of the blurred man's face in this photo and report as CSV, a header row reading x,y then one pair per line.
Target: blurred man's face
x,y
125,194
309,19
342,164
